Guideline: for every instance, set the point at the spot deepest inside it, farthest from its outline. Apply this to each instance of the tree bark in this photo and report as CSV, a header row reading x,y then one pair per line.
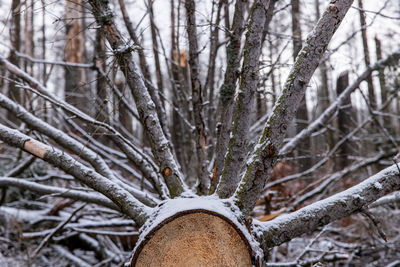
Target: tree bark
x,y
238,142
367,60
147,110
122,198
75,80
345,121
264,155
197,98
303,150
227,91
15,39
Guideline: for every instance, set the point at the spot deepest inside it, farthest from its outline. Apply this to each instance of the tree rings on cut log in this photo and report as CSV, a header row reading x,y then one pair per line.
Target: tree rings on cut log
x,y
194,238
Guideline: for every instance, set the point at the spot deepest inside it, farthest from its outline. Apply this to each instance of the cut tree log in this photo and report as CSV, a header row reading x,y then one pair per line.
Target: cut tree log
x,y
196,237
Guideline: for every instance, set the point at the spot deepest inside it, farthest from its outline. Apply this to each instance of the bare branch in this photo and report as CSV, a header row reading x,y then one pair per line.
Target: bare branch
x,y
227,91
321,121
73,145
145,105
263,157
57,229
140,159
122,198
238,142
58,192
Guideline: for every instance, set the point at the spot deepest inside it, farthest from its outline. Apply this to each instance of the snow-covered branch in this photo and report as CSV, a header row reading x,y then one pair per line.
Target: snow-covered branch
x,y
321,121
58,192
140,159
238,141
122,198
147,110
265,153
227,90
309,218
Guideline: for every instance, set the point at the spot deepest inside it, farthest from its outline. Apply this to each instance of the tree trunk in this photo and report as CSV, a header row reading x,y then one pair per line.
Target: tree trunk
x,y
15,39
323,103
367,60
75,89
382,83
102,113
303,150
345,121
153,28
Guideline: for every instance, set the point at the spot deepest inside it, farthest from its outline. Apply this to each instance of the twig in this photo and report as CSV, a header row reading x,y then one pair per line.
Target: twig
x,y
71,257
57,229
376,223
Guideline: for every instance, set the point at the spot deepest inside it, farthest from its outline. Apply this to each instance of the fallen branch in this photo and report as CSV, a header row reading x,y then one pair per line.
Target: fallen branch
x,y
308,219
122,198
58,192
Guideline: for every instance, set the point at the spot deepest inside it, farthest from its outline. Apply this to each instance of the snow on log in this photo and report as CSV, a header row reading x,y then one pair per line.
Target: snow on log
x,y
184,234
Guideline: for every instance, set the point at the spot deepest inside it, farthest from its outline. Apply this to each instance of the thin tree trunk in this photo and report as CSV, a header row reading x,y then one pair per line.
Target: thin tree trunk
x,y
367,60
180,134
102,113
382,82
154,92
264,156
75,89
345,121
323,103
159,77
303,151
160,146
197,98
210,79
15,38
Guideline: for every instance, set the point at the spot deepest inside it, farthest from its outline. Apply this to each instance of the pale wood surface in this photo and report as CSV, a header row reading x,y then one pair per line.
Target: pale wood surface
x,y
195,239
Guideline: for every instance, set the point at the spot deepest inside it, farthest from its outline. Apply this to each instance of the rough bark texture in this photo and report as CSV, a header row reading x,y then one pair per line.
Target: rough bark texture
x,y
227,91
144,67
141,160
237,147
265,153
69,143
194,238
144,103
303,150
